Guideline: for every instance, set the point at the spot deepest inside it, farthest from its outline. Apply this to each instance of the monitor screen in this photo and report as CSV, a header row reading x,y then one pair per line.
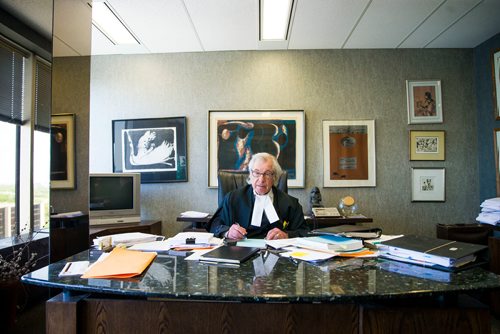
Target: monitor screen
x,y
114,197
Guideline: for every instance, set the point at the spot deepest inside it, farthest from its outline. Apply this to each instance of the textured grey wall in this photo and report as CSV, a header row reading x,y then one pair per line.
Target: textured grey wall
x,y
328,85
71,95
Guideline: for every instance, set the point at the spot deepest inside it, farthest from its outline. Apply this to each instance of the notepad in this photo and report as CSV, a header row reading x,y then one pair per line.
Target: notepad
x,y
121,263
229,254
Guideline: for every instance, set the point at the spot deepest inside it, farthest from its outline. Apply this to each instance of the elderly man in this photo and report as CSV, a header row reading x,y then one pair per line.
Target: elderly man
x,y
260,210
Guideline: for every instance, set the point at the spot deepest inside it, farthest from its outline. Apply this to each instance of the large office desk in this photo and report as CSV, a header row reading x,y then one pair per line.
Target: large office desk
x,y
343,296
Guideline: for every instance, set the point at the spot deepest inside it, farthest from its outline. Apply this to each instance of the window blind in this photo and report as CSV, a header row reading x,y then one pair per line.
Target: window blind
x,y
43,93
12,66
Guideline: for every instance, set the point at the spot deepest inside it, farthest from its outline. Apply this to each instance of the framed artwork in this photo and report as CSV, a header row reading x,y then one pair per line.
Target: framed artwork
x,y
154,147
62,151
496,140
349,153
424,101
428,184
235,135
427,145
495,67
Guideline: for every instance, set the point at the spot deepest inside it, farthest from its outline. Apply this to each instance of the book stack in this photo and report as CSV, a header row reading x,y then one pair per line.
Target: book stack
x,y
431,252
490,212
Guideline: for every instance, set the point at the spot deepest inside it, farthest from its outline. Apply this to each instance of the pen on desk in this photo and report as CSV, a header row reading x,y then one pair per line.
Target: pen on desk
x,y
66,267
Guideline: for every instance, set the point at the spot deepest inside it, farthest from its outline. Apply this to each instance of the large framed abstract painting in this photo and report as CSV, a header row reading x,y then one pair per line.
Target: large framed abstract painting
x,y
349,153
234,136
62,155
154,147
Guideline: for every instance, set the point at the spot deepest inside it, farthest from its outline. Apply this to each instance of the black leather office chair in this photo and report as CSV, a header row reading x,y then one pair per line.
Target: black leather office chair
x,y
229,180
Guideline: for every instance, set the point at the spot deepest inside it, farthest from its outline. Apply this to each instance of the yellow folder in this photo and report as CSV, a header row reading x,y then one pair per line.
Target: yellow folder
x,y
120,263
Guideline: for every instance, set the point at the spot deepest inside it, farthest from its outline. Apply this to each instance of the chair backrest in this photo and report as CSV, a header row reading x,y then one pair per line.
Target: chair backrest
x,y
229,181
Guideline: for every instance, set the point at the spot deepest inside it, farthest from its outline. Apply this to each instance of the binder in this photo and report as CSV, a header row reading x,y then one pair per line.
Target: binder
x,y
446,253
229,254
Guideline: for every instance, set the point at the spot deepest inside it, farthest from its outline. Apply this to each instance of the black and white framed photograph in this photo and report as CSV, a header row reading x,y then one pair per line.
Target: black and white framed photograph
x,y
235,135
154,147
424,101
428,184
62,155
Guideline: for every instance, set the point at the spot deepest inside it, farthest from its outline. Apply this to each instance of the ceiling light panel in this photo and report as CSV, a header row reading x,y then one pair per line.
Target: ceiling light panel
x,y
107,21
274,19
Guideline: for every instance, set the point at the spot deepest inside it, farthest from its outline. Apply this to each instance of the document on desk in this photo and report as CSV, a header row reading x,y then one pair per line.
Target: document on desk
x,y
121,263
308,255
194,214
75,268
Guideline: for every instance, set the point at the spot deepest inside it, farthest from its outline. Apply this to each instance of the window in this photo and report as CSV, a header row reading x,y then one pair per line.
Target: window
x,y
25,90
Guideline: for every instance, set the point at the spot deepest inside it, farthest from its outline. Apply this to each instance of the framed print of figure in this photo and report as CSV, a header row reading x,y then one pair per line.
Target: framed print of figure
x,y
424,101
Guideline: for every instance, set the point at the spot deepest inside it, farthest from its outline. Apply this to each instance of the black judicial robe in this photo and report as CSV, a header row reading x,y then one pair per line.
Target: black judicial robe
x,y
237,207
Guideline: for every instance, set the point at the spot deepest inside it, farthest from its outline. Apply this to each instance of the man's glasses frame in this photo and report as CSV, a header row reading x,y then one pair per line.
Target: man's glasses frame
x,y
257,174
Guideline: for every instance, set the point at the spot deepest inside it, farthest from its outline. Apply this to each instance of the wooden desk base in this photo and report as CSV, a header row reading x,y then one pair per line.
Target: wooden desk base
x,y
106,315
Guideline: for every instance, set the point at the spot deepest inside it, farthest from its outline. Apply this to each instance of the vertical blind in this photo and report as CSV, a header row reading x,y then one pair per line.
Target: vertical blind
x,y
12,65
43,90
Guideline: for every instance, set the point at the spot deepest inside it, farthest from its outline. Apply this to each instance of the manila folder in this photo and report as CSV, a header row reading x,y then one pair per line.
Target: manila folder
x,y
120,263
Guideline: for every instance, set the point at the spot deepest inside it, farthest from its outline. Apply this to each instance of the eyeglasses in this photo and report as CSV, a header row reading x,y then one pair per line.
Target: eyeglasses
x,y
267,175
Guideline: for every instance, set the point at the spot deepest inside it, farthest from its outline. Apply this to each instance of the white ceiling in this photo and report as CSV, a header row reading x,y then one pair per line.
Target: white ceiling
x,y
164,26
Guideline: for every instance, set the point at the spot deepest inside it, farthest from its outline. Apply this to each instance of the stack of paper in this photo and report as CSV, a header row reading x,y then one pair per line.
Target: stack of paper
x,y
192,238
194,214
128,239
490,212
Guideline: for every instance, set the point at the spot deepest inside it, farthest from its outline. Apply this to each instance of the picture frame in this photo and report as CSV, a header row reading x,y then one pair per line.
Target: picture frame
x,y
279,132
496,141
349,153
62,151
424,101
154,147
495,71
427,145
428,184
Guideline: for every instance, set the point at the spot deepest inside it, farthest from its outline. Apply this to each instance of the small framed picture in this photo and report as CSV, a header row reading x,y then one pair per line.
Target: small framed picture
x,y
427,145
495,70
62,155
154,147
424,101
428,184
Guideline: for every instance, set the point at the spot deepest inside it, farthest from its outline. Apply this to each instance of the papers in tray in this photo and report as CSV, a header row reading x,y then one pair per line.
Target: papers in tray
x,y
194,214
120,263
